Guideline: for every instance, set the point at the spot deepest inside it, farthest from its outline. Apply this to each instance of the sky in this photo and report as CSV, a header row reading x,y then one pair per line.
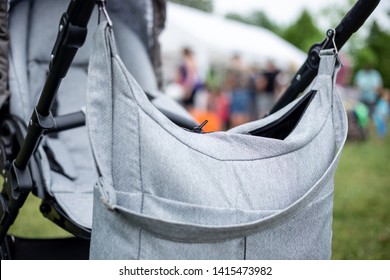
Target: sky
x,y
286,11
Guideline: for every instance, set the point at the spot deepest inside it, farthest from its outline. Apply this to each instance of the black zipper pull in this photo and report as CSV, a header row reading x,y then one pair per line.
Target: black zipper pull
x,y
198,129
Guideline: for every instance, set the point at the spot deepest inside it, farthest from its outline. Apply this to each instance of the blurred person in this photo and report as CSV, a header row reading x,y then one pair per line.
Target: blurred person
x,y
263,101
283,79
271,73
239,82
188,77
207,104
213,78
381,113
344,75
357,111
369,82
253,72
219,103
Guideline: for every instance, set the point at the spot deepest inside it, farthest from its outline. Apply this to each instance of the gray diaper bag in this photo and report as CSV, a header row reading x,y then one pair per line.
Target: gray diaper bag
x,y
169,193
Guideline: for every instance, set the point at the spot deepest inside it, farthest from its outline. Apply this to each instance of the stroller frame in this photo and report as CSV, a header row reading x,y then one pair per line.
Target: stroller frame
x,y
19,162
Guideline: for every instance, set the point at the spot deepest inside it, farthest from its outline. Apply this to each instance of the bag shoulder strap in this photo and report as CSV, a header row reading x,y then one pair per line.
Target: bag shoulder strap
x,y
99,103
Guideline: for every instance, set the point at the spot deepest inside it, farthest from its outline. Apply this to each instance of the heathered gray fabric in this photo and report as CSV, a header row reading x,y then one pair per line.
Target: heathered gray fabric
x,y
33,31
33,28
167,193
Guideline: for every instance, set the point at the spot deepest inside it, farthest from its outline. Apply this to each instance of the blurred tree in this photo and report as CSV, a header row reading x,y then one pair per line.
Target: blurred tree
x,y
204,5
304,32
331,15
367,46
239,17
378,43
364,56
257,18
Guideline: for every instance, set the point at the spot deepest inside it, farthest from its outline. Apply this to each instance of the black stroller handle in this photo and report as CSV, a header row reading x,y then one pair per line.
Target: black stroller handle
x,y
71,36
351,22
18,182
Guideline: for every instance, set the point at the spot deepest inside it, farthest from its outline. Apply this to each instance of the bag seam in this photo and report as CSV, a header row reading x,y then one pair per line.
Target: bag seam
x,y
141,184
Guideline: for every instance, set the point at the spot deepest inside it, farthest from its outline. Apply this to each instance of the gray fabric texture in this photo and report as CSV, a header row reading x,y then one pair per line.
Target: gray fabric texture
x,y
32,37
33,30
168,193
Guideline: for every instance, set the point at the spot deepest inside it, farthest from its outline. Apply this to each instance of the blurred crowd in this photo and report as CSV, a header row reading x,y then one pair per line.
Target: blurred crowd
x,y
239,93
366,99
231,95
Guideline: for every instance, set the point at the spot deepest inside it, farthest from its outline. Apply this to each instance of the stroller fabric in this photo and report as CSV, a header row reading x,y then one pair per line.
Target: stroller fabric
x,y
33,30
66,158
169,193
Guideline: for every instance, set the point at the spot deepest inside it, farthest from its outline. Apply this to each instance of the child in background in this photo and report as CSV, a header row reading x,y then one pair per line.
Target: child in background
x,y
382,113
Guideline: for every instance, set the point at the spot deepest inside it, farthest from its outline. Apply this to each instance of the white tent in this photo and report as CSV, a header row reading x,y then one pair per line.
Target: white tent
x,y
215,39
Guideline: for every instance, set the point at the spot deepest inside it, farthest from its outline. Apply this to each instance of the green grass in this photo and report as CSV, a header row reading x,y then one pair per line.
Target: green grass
x,y
361,224
31,223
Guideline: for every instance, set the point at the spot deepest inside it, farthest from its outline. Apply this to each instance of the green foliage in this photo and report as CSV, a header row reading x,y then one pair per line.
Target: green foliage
x,y
261,19
239,17
332,14
257,18
204,5
365,56
374,51
378,41
304,32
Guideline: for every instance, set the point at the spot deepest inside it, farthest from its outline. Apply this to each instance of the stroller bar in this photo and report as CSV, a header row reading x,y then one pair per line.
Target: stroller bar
x,y
71,36
18,182
354,19
16,187
68,121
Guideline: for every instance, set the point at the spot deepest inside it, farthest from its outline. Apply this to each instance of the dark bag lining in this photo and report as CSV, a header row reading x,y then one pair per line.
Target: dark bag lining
x,y
282,127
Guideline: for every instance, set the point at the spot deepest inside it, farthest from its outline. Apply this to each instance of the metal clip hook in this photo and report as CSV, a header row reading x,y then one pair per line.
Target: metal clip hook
x,y
102,8
331,34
